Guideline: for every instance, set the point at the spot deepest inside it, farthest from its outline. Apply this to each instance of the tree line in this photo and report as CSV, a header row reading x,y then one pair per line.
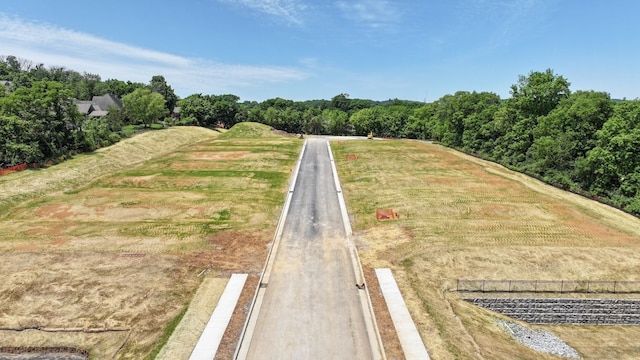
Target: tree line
x,y
583,141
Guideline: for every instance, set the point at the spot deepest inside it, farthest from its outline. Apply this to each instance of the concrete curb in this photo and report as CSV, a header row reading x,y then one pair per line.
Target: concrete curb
x,y
211,336
244,342
410,339
375,340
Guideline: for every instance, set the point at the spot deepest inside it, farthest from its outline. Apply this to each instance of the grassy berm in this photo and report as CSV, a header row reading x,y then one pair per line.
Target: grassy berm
x,y
111,246
465,218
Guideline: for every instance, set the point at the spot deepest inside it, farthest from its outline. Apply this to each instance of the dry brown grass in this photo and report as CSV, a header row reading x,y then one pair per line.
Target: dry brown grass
x,y
461,217
116,240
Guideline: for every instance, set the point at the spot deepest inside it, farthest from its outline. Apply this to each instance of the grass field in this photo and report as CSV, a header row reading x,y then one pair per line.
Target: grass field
x,y
464,218
111,244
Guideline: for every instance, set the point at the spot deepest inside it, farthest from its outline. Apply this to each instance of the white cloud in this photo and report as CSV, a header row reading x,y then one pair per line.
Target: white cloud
x,y
288,10
508,18
371,13
55,46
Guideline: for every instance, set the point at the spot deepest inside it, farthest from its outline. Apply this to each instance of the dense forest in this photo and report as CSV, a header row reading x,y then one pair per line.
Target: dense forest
x,y
581,141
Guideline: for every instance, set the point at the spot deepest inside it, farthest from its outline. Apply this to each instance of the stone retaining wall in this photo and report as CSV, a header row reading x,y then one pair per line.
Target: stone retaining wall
x,y
565,311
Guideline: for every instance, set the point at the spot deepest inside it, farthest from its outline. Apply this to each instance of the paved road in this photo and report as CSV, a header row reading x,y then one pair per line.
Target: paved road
x,y
311,307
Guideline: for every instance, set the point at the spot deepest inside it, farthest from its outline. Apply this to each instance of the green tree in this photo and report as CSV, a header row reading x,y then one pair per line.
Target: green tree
x,y
144,107
612,168
341,102
278,104
49,110
453,115
314,122
98,133
359,104
337,122
533,96
417,126
224,109
159,85
504,119
16,64
539,92
478,135
256,115
18,143
566,134
118,88
291,121
86,87
271,117
364,121
196,109
381,120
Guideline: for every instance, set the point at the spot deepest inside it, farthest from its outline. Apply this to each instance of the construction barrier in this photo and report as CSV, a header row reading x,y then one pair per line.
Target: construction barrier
x,y
15,168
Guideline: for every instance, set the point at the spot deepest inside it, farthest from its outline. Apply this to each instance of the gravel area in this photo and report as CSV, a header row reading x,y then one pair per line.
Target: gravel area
x,y
540,340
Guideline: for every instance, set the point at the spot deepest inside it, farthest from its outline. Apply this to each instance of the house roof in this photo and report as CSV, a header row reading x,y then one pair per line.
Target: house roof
x,y
104,102
98,106
98,113
84,107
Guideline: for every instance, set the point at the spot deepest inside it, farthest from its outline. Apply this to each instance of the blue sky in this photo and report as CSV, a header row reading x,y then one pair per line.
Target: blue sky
x,y
303,49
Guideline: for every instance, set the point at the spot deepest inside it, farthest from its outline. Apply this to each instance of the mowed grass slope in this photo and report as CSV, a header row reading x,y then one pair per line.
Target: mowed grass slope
x,y
464,218
116,240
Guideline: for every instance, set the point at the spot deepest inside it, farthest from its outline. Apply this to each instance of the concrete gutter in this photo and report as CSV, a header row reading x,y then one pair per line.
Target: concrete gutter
x,y
210,338
244,342
375,340
410,339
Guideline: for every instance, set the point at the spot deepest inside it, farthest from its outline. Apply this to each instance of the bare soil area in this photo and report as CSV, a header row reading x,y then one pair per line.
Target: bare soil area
x,y
230,340
388,334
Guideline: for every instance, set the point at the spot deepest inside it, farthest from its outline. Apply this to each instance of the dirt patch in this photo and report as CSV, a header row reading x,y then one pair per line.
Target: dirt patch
x,y
53,230
231,337
390,340
386,214
141,180
55,211
233,252
377,246
218,155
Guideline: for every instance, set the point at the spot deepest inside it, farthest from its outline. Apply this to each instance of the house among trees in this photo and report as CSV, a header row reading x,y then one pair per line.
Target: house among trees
x,y
175,113
98,106
7,85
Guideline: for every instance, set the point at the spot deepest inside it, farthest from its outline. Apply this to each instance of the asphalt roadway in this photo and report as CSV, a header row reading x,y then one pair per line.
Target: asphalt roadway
x,y
311,307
